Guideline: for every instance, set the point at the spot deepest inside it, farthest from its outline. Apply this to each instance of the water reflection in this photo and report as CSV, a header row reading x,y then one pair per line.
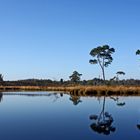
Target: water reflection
x,y
75,99
102,123
1,96
53,96
118,102
138,126
106,122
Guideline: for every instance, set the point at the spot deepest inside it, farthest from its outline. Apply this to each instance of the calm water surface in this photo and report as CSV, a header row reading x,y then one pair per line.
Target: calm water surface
x,y
57,116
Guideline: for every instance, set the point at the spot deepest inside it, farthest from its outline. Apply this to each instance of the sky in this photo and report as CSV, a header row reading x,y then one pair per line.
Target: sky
x,y
49,39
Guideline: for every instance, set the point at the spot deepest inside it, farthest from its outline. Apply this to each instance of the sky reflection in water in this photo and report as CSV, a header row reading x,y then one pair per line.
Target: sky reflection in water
x,y
52,116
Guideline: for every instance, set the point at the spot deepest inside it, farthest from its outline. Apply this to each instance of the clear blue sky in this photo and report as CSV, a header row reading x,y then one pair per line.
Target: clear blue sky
x,y
49,39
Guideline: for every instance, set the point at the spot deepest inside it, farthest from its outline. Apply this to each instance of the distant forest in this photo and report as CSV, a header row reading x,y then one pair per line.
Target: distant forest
x,y
95,81
74,80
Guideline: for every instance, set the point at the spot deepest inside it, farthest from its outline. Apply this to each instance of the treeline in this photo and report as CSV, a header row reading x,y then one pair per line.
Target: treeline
x,y
94,82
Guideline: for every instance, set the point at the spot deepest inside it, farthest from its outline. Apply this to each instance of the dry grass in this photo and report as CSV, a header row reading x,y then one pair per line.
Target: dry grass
x,y
80,90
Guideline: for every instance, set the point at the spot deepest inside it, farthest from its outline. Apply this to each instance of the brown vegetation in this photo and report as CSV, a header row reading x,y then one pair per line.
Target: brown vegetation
x,y
80,90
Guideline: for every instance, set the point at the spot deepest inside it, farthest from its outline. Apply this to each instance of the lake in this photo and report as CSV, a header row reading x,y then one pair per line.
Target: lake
x,y
58,116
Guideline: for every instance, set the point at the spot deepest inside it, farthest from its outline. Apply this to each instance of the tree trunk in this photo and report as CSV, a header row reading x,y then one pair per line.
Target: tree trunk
x,y
102,112
103,71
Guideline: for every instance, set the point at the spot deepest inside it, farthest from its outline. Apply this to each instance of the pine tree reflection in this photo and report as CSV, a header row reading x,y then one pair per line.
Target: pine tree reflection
x,y
75,99
119,103
1,96
138,126
102,122
61,94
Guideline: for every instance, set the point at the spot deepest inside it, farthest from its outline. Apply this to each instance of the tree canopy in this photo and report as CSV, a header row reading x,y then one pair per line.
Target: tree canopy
x,y
120,73
1,78
75,77
103,56
138,52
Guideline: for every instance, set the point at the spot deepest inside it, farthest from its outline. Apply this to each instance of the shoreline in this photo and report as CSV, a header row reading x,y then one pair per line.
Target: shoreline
x,y
79,90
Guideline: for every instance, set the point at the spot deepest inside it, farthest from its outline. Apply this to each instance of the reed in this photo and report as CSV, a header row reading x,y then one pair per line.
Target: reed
x,y
77,90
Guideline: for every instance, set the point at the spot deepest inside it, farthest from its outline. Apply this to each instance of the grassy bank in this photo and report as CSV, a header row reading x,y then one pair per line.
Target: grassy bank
x,y
79,90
